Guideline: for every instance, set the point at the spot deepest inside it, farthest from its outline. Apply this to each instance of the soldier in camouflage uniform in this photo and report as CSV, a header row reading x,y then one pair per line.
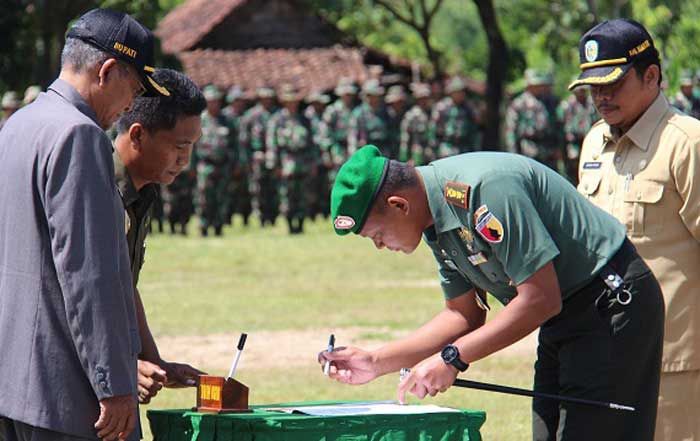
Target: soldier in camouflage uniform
x,y
417,140
238,186
684,100
212,158
290,149
576,115
320,198
396,109
263,181
453,122
369,122
335,129
529,125
178,205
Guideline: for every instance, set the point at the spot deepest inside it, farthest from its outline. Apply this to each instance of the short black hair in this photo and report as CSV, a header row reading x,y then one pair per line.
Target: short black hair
x,y
641,65
399,176
162,112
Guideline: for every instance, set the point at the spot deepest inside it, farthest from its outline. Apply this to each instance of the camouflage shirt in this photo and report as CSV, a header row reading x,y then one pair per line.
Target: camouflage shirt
x,y
368,126
333,136
233,122
689,106
213,147
576,120
251,137
455,128
528,127
417,137
289,143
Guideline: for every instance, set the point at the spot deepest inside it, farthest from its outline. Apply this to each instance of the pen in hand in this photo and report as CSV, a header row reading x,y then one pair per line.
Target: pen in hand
x,y
331,345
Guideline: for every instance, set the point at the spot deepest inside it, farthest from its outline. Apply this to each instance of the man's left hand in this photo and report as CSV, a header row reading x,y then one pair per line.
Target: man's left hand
x,y
181,375
428,377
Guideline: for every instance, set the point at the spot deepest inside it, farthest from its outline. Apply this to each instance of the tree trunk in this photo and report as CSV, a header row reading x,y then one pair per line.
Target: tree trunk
x,y
498,63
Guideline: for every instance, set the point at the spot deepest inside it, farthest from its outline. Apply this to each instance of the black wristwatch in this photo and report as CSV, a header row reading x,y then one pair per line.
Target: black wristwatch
x,y
450,355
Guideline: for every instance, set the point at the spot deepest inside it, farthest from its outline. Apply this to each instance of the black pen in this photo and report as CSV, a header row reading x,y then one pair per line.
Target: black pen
x,y
331,346
241,343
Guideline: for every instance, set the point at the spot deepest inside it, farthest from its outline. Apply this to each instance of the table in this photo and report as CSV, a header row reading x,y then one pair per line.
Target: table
x,y
262,425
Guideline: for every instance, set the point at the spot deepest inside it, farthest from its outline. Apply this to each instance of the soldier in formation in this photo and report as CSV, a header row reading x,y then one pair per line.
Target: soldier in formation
x,y
369,123
212,162
454,121
576,115
530,124
252,136
685,100
417,134
290,149
320,198
238,185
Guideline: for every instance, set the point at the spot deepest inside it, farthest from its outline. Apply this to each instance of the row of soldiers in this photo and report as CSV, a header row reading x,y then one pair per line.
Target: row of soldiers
x,y
279,158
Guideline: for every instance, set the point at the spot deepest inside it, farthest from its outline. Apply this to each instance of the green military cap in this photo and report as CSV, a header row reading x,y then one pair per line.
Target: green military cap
x,y
372,87
455,84
395,94
10,100
420,90
686,77
265,92
234,93
31,94
355,189
538,77
211,92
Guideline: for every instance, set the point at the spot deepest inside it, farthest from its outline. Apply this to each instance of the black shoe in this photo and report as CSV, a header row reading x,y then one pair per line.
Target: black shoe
x,y
218,230
204,231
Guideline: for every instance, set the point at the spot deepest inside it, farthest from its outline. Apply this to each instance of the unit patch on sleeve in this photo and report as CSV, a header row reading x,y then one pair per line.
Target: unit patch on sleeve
x,y
488,225
457,194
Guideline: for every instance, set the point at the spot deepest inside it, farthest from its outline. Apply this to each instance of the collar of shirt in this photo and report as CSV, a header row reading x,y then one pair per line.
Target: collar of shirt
x,y
129,194
641,132
443,216
70,94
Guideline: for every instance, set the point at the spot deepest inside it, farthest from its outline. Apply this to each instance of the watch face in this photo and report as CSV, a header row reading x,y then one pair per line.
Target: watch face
x,y
449,353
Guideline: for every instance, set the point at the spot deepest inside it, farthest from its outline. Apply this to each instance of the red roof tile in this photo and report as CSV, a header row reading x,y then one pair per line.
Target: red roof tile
x,y
187,24
309,69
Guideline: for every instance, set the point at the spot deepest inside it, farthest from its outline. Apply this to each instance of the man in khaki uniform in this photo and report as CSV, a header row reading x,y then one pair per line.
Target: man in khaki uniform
x,y
640,163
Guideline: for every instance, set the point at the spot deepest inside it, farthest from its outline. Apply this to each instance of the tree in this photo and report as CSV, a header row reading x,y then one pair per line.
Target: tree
x,y
496,72
418,15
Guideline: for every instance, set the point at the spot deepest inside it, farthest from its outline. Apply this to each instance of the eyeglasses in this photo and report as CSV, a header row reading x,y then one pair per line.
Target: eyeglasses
x,y
139,89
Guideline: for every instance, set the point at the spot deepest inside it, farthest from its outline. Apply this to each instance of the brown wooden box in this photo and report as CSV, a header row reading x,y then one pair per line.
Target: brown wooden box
x,y
220,395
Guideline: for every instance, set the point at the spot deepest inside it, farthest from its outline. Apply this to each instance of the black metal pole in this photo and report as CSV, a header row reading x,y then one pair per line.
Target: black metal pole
x,y
530,393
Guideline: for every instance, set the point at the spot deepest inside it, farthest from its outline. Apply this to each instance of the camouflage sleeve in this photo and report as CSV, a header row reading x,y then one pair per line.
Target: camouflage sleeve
x,y
510,129
405,142
353,133
271,151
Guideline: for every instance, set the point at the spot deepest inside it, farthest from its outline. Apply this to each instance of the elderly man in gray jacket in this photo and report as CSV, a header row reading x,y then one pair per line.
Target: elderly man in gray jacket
x,y
68,331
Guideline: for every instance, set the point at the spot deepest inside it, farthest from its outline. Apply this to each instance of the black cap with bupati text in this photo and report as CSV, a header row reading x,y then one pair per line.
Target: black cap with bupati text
x,y
120,35
609,49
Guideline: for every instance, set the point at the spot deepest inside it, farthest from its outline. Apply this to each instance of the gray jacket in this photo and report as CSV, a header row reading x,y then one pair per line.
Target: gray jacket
x,y
68,331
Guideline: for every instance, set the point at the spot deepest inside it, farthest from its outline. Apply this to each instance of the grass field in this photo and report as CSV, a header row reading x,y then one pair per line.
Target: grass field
x,y
267,283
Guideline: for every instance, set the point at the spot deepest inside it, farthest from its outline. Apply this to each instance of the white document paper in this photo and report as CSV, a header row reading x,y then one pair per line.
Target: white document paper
x,y
368,408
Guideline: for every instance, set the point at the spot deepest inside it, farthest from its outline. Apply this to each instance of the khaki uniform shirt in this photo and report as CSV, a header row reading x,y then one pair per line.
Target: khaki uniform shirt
x,y
501,217
647,179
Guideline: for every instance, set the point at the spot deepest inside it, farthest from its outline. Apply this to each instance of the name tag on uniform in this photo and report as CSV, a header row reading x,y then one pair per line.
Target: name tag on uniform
x,y
477,259
592,165
450,264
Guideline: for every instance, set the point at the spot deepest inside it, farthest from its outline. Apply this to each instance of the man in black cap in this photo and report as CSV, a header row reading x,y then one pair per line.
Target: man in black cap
x,y
68,328
640,163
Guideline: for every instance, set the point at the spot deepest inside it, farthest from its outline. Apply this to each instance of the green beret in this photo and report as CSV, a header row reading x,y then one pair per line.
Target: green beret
x,y
355,188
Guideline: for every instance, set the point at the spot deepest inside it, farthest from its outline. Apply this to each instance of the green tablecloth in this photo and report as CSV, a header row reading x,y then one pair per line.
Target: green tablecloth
x,y
261,425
